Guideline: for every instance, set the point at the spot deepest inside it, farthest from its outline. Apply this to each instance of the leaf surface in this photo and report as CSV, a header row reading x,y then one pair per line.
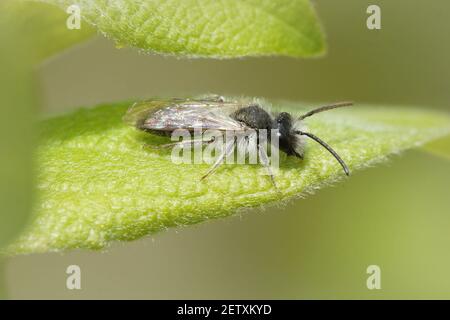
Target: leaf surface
x,y
208,28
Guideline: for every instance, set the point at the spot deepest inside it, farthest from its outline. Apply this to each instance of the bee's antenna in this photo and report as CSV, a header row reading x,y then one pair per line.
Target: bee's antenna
x,y
326,146
325,108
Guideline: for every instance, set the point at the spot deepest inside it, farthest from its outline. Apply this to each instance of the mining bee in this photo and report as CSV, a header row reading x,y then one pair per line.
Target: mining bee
x,y
214,112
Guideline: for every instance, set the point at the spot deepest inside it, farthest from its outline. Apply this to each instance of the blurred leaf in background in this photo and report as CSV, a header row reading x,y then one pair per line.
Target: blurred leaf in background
x,y
18,106
17,99
29,33
44,27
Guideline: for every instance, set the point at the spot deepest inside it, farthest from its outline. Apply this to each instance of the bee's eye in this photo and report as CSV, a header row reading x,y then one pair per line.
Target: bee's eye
x,y
283,117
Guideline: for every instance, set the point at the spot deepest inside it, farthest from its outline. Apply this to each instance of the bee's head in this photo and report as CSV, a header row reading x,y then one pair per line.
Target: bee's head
x,y
290,138
289,141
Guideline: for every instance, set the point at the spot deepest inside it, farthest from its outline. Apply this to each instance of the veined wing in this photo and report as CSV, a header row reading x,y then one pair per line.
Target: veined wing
x,y
140,111
169,115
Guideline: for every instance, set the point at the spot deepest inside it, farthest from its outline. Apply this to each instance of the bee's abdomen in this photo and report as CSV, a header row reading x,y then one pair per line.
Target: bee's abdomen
x,y
254,117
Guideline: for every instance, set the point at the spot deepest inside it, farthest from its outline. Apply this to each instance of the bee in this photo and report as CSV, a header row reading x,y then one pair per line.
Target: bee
x,y
214,112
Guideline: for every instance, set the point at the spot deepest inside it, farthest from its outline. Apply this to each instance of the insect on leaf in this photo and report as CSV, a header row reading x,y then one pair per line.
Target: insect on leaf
x,y
97,184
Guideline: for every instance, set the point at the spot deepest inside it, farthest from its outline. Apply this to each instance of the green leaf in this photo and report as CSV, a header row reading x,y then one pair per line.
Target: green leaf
x,y
440,147
208,28
97,183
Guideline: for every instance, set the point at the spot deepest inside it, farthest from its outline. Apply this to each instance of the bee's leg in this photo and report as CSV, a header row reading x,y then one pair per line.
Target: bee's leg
x,y
298,155
265,162
228,149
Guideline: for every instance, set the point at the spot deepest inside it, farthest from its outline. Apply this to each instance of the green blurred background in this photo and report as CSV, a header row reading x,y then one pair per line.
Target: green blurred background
x,y
395,215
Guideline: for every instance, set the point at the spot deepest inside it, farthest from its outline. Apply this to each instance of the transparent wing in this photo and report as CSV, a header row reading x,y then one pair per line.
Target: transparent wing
x,y
169,115
140,111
